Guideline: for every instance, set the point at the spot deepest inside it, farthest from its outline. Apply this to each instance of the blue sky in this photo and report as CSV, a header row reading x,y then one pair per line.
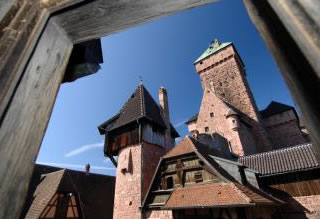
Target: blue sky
x,y
162,53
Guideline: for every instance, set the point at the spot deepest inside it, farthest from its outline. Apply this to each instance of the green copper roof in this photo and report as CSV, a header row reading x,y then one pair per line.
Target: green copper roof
x,y
212,49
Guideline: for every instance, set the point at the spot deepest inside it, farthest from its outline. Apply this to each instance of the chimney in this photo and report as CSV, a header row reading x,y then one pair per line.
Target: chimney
x,y
164,107
87,167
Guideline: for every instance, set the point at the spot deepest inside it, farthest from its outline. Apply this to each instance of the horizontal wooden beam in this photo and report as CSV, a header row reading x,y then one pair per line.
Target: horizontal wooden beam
x,y
103,17
26,119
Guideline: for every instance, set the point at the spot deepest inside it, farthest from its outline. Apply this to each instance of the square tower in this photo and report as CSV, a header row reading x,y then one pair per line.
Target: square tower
x,y
138,135
223,77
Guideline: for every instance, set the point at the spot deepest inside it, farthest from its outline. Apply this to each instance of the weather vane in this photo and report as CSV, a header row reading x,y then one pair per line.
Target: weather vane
x,y
140,78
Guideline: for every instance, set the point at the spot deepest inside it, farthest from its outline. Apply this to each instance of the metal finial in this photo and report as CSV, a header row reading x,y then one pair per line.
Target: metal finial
x,y
141,80
215,43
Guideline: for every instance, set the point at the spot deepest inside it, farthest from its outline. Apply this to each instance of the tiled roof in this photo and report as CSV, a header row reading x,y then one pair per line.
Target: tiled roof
x,y
96,190
139,105
44,192
189,145
211,50
275,108
193,118
215,195
184,147
290,159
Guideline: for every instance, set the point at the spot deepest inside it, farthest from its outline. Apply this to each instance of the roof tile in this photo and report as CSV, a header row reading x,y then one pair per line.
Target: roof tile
x,y
285,160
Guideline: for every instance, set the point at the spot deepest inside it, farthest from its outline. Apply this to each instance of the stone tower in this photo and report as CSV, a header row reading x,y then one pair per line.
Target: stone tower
x,y
228,107
139,135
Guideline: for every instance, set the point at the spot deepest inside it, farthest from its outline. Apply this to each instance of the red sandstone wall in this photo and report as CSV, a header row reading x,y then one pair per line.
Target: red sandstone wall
x,y
218,123
302,207
127,198
140,162
159,214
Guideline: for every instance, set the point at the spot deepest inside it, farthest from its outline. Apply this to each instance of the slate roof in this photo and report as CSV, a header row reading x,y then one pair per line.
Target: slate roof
x,y
139,105
215,195
275,108
211,50
44,192
193,118
290,159
96,191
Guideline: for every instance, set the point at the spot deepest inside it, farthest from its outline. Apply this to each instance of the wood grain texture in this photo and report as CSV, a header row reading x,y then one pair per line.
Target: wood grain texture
x,y
102,17
21,23
26,120
295,65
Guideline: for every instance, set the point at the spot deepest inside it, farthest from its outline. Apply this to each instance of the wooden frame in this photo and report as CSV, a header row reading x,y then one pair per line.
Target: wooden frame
x,y
37,38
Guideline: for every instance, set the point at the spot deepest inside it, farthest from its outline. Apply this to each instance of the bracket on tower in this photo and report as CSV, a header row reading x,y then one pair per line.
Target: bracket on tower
x,y
112,159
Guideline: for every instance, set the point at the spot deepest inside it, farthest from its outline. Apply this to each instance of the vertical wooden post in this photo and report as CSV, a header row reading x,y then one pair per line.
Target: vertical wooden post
x,y
26,119
281,25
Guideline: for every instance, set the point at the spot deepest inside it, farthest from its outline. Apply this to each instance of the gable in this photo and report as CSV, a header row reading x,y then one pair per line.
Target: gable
x,y
179,172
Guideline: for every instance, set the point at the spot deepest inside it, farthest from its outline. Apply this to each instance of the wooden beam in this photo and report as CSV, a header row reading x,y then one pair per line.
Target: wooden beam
x,y
103,17
85,60
26,119
292,35
21,23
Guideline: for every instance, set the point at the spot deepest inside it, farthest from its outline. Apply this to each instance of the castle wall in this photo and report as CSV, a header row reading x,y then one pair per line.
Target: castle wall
x,y
302,207
283,129
127,198
160,214
218,123
224,74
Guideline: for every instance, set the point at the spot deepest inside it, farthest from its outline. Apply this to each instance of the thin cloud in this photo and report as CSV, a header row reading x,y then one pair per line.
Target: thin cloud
x,y
83,149
76,166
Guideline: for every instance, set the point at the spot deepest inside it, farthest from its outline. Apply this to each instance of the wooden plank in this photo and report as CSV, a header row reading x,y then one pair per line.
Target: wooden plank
x,y
26,119
102,17
21,23
296,65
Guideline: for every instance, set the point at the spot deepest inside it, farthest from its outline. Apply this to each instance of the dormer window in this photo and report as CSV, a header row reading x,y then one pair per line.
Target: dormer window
x,y
198,177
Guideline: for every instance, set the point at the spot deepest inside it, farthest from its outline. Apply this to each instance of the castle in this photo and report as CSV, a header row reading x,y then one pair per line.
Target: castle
x,y
217,171
238,162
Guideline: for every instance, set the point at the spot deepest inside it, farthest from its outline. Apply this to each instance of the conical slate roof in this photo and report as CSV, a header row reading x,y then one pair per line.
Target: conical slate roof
x,y
139,105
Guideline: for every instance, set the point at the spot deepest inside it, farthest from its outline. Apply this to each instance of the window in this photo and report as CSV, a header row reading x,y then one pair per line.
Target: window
x,y
169,182
206,129
211,114
198,177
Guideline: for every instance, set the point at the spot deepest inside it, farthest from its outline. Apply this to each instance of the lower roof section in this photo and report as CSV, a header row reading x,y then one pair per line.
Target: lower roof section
x,y
216,195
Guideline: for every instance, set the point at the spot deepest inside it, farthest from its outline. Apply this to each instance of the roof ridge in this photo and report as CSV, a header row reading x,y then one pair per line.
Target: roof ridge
x,y
143,105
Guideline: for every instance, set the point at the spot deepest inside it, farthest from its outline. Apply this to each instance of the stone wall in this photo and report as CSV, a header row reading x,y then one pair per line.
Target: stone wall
x,y
127,198
217,123
136,167
283,129
302,207
158,214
